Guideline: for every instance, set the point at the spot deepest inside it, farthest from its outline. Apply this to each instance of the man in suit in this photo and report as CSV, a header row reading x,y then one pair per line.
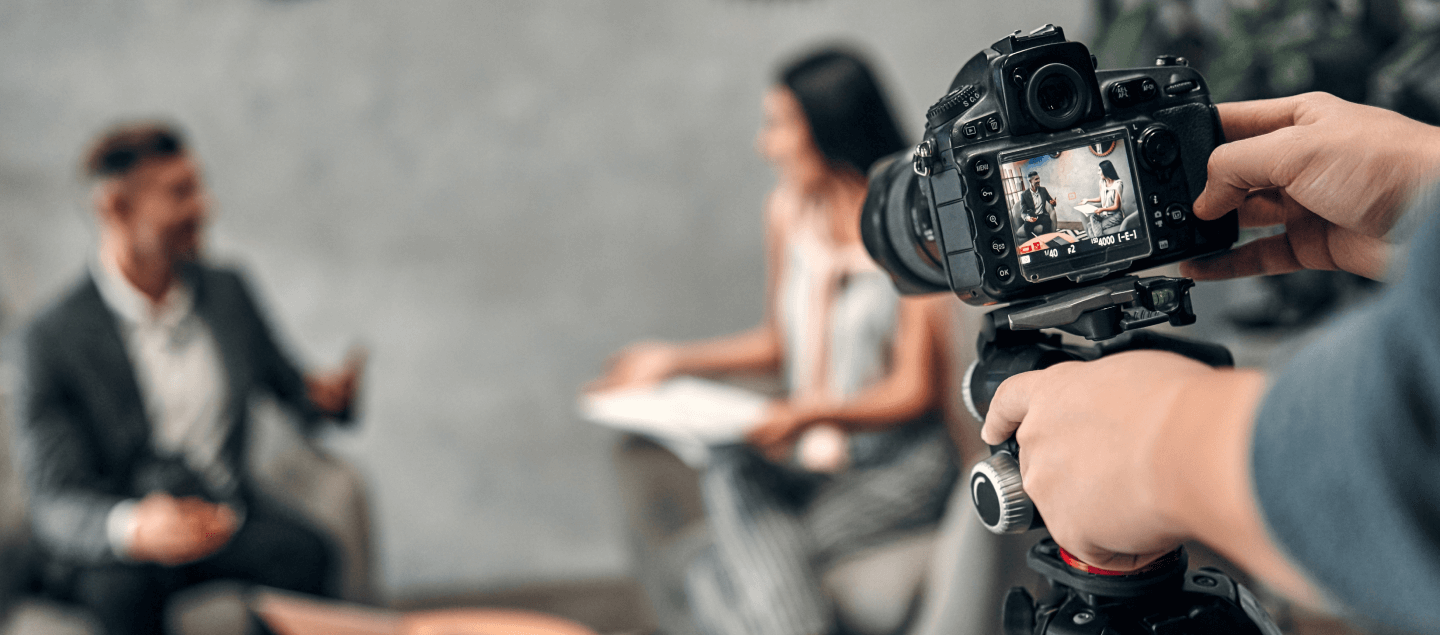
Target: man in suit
x,y
131,404
1037,208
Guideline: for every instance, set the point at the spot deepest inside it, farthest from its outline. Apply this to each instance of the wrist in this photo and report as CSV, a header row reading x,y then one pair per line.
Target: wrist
x,y
120,529
673,359
804,416
1202,458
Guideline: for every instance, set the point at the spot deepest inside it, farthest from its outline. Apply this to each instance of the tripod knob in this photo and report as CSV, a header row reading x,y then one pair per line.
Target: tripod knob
x,y
999,497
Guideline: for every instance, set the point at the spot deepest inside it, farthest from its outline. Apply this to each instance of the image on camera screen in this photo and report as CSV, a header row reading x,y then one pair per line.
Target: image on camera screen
x,y
1074,207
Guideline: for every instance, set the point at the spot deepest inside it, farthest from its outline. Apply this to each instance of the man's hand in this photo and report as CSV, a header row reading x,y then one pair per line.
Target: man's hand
x,y
1335,174
639,365
1121,454
174,531
334,392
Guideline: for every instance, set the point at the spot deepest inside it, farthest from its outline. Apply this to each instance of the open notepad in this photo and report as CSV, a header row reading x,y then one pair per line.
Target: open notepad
x,y
688,415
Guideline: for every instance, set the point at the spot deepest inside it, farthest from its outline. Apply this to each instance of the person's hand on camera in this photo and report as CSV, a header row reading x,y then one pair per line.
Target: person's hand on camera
x,y
174,531
639,365
1335,174
1121,454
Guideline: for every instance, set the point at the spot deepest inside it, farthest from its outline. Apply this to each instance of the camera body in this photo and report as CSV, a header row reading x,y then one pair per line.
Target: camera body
x,y
1038,173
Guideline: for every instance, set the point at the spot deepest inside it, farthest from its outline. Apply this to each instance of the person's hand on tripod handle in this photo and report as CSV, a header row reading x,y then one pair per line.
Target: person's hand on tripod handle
x,y
1104,444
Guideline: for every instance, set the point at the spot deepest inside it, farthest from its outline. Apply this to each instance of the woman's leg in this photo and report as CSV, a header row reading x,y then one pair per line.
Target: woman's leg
x,y
864,506
758,580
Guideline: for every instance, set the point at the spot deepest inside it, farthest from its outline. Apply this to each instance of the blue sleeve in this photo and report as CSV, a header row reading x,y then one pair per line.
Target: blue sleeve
x,y
1346,457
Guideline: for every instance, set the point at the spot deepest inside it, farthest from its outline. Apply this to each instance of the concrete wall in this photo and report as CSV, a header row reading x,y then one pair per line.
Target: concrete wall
x,y
492,196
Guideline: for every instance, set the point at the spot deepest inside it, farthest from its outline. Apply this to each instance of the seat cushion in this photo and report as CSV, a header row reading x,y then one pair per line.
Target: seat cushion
x,y
876,589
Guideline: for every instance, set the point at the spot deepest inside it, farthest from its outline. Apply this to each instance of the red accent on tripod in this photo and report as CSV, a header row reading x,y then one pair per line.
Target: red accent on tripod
x,y
1162,562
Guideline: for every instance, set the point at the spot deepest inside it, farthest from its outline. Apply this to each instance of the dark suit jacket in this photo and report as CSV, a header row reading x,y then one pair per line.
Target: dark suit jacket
x,y
1027,204
81,431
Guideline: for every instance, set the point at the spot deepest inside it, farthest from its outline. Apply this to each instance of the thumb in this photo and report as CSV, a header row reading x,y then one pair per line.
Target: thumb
x,y
1009,407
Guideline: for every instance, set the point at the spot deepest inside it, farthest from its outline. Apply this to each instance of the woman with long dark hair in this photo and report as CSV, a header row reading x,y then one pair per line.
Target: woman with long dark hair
x,y
1109,214
862,366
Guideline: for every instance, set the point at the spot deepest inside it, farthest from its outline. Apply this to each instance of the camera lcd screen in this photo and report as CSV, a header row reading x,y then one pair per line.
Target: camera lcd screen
x,y
1074,206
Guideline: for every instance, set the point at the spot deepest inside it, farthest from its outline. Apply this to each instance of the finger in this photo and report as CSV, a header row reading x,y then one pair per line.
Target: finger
x,y
1239,167
1268,207
1264,257
1245,119
1359,254
1009,407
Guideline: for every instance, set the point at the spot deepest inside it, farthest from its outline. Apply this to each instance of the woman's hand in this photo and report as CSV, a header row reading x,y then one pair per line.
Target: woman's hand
x,y
776,434
639,365
1337,175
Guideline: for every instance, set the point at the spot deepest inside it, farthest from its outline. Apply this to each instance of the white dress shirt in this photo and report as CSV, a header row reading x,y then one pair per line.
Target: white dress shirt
x,y
181,381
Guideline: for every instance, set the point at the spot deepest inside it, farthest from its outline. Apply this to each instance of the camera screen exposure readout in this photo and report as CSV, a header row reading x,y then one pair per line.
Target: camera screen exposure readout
x,y
1074,208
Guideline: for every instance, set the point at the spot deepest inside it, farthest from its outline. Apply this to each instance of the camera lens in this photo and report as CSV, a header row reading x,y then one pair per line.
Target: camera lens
x,y
897,231
1056,96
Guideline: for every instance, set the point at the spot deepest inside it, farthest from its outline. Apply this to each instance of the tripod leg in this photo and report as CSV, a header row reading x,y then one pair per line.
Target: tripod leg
x,y
1018,612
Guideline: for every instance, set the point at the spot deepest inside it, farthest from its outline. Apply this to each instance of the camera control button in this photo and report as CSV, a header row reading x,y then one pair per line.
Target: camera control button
x,y
987,192
982,167
994,219
1003,272
992,124
1149,89
1131,92
970,130
1159,147
1154,200
1176,213
998,247
1180,88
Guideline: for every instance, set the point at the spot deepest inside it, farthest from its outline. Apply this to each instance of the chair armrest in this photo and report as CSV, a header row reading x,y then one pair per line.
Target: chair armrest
x,y
323,488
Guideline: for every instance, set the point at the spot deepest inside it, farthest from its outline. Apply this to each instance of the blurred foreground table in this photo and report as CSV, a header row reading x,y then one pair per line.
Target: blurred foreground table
x,y
288,614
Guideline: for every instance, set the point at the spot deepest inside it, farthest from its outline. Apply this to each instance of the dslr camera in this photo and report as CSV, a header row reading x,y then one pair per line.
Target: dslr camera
x,y
1039,173
1043,182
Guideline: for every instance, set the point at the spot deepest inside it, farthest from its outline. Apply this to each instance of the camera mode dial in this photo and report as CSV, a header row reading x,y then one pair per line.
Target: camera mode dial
x,y
999,497
952,104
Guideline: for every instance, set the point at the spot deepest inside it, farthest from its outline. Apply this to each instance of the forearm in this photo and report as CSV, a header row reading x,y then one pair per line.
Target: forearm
x,y
894,401
1203,466
755,350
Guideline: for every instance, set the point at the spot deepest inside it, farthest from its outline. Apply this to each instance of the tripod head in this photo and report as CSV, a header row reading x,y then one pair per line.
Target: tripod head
x,y
1161,598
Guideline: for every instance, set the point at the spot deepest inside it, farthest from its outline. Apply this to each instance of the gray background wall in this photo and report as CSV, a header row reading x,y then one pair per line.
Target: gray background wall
x,y
493,196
